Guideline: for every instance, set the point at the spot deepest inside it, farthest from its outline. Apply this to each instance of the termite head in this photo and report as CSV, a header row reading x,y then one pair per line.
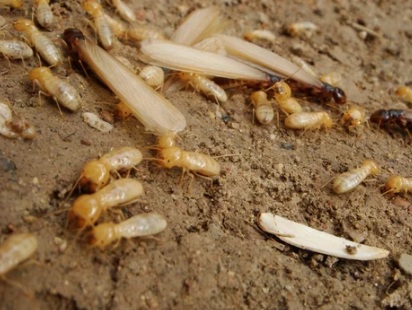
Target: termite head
x,y
37,73
258,96
94,176
373,166
355,116
336,93
170,157
102,235
16,4
84,212
166,141
394,184
92,7
71,36
23,24
282,91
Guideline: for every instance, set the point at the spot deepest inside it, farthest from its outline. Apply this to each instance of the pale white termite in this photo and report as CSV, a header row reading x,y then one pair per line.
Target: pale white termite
x,y
205,85
404,93
154,76
347,181
308,120
333,78
17,4
263,107
188,59
171,156
260,34
42,44
14,127
156,113
124,10
398,184
14,49
5,117
95,121
137,226
354,116
50,85
283,96
302,29
15,250
96,172
87,209
103,29
44,14
197,25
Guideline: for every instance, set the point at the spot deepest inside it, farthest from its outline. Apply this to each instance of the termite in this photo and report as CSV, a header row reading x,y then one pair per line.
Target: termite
x,y
14,127
62,92
309,120
15,250
154,76
170,155
155,112
103,29
302,29
398,184
122,111
260,34
347,181
205,85
14,49
93,120
96,172
44,14
263,107
87,209
137,226
274,64
123,10
393,119
12,3
354,116
404,93
283,96
332,78
43,45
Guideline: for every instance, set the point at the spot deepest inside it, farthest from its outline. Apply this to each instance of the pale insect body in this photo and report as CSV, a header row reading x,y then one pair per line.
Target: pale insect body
x,y
96,172
124,10
61,91
171,156
12,3
347,181
263,108
283,96
87,209
44,14
14,49
308,120
14,127
95,121
398,184
302,29
205,85
103,29
154,76
16,249
155,112
188,59
332,78
5,117
404,93
43,45
137,226
354,116
260,34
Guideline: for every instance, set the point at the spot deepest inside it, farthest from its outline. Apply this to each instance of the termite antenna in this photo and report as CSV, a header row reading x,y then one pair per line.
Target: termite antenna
x,y
73,187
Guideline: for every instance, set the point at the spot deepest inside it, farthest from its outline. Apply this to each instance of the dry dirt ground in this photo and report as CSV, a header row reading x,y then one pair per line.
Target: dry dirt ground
x,y
212,255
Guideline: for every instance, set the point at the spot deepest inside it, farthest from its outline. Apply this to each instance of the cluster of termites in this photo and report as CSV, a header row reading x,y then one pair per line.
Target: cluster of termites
x,y
194,55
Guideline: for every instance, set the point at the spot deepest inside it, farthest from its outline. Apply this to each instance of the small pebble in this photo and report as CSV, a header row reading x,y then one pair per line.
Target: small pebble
x,y
405,262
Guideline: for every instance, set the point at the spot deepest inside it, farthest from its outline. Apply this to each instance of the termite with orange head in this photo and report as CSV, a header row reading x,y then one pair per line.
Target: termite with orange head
x,y
170,155
14,49
44,14
156,113
398,184
302,29
347,181
87,209
124,10
283,96
16,4
263,107
137,226
96,172
276,65
42,44
62,92
205,85
354,116
103,29
404,93
15,250
308,120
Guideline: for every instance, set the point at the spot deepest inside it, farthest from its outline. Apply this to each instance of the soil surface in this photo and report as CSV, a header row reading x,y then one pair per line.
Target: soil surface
x,y
212,254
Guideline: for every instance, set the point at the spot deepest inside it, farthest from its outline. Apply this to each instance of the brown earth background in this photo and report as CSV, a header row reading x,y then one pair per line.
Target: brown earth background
x,y
212,255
